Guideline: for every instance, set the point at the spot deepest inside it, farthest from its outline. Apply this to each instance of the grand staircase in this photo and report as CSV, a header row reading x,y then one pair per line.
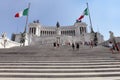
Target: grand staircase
x,y
59,64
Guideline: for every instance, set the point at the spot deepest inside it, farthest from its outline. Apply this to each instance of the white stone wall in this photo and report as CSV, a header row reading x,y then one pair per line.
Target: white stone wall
x,y
50,40
8,43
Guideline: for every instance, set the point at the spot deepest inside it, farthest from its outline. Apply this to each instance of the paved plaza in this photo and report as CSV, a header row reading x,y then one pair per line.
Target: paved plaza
x,y
44,62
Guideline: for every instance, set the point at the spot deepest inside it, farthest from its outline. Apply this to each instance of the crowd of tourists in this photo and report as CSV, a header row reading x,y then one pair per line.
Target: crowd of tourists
x,y
76,45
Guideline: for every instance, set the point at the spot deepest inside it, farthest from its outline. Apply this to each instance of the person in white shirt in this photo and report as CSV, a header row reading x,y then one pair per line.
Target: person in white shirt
x,y
111,46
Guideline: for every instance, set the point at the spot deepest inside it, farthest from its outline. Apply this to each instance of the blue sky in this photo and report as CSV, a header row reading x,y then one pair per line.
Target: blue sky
x,y
105,14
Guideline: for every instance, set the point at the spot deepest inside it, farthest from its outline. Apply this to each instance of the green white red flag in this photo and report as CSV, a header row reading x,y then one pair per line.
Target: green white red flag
x,y
22,13
85,12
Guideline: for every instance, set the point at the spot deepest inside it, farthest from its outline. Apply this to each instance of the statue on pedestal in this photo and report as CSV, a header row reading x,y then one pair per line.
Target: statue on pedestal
x,y
58,25
111,34
3,35
58,33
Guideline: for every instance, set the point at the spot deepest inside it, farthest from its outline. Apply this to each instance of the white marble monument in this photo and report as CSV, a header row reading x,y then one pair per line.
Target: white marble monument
x,y
39,34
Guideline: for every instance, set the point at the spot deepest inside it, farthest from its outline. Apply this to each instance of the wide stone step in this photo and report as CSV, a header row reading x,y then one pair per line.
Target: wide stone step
x,y
62,60
98,70
60,64
83,78
59,75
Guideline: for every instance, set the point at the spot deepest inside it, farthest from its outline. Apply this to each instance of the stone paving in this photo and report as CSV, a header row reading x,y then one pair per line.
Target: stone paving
x,y
45,62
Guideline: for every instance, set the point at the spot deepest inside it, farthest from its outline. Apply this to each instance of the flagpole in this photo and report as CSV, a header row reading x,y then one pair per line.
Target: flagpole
x,y
27,19
24,33
90,20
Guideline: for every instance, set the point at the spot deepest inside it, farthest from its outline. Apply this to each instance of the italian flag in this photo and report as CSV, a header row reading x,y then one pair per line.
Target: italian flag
x,y
22,13
85,12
